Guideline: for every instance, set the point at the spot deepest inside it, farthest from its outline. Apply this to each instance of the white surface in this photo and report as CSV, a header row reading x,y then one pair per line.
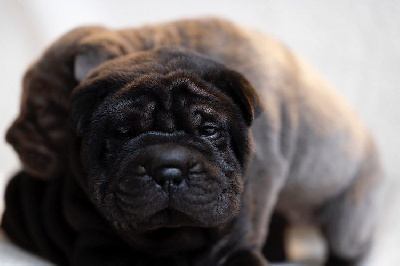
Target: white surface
x,y
353,43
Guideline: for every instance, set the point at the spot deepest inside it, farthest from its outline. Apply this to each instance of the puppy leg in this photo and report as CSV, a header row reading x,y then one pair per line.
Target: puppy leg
x,y
274,248
349,219
263,193
251,229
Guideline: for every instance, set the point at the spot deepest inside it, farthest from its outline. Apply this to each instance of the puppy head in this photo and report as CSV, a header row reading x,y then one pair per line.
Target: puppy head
x,y
164,139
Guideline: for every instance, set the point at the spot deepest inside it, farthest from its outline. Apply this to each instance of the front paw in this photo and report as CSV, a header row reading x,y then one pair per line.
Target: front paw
x,y
247,258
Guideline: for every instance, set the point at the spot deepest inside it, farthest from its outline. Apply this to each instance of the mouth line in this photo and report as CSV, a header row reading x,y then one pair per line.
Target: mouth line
x,y
167,232
168,218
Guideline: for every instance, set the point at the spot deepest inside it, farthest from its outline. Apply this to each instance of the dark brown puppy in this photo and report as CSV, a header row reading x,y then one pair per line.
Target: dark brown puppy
x,y
160,169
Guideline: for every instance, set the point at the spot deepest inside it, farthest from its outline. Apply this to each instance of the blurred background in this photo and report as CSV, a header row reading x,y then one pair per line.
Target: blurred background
x,y
354,44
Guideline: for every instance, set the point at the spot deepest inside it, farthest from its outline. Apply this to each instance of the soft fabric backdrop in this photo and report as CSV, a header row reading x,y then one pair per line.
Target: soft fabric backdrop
x,y
354,44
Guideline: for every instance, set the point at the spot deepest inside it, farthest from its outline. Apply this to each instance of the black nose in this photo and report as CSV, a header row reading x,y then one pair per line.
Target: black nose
x,y
168,176
169,165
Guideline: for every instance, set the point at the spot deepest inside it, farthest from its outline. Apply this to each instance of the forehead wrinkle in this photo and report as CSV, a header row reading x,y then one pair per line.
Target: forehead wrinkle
x,y
209,110
145,84
120,108
163,90
166,98
121,105
194,88
112,111
156,87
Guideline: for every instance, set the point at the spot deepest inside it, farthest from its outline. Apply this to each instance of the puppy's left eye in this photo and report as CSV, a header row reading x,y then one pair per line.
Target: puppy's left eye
x,y
122,132
209,130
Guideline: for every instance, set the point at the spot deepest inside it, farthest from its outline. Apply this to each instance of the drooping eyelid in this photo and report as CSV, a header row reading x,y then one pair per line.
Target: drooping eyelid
x,y
207,113
211,124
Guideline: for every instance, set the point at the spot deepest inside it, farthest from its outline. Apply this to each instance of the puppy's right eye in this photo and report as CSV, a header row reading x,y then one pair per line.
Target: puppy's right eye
x,y
122,132
209,130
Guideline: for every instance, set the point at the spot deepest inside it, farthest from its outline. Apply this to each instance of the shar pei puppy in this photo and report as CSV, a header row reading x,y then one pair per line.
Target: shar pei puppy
x,y
174,144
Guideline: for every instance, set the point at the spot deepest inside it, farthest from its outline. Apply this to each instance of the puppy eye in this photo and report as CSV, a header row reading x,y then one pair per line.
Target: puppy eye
x,y
209,130
122,132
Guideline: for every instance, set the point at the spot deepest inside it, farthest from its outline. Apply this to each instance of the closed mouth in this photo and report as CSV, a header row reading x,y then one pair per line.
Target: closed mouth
x,y
168,219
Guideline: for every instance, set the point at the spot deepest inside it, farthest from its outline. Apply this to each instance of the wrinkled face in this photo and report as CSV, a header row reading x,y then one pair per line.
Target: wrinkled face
x,y
165,151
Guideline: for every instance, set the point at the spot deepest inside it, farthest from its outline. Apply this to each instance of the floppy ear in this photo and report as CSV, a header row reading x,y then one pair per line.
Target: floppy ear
x,y
93,51
236,86
41,133
97,48
86,62
84,101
